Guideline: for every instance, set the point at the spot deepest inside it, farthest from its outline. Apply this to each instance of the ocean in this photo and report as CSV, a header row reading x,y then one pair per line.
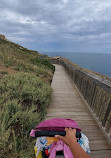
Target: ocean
x,y
97,62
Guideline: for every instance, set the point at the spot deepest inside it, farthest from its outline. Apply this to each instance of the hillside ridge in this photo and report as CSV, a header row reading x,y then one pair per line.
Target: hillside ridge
x,y
25,93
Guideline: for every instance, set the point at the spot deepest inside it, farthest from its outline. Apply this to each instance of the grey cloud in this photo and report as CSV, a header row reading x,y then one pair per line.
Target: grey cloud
x,y
69,23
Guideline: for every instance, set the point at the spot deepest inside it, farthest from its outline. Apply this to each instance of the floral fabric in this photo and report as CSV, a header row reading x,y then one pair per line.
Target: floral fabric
x,y
53,145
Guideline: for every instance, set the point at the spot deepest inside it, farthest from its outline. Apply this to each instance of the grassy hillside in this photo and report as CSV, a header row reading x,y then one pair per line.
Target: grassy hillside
x,y
18,58
24,96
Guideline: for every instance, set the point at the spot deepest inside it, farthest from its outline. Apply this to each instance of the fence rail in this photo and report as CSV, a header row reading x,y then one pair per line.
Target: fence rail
x,y
95,90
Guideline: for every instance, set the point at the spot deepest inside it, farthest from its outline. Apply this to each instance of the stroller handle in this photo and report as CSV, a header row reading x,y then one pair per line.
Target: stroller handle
x,y
53,133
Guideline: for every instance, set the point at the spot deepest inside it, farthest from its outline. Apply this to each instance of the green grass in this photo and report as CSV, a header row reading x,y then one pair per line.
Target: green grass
x,y
21,59
4,72
43,62
24,97
23,101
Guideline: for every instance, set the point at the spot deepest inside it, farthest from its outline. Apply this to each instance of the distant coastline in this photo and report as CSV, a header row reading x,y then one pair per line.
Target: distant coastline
x,y
98,62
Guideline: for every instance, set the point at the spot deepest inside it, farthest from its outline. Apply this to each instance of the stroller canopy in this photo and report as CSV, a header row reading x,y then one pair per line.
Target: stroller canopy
x,y
56,124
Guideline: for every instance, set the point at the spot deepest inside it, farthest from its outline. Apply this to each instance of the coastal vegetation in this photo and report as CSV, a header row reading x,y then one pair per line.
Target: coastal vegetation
x,y
24,96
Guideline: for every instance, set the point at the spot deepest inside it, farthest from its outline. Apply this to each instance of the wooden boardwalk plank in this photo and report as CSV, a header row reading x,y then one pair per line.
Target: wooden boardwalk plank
x,y
101,154
66,102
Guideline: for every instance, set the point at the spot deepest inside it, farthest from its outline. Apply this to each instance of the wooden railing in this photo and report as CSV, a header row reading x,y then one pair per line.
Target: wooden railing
x,y
95,89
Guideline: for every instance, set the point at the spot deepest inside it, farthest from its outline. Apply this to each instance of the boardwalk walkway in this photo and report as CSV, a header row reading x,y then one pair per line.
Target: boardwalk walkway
x,y
66,102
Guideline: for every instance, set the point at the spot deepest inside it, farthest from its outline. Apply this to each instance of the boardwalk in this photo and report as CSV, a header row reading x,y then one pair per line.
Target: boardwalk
x,y
66,102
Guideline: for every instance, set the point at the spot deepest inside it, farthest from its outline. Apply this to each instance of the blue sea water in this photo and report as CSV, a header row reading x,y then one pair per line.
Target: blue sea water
x,y
97,62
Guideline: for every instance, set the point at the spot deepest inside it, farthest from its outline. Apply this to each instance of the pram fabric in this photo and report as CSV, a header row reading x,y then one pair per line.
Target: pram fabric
x,y
52,144
55,124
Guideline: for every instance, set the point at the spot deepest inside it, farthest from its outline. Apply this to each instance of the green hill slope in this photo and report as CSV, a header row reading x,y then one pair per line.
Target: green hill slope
x,y
24,96
18,58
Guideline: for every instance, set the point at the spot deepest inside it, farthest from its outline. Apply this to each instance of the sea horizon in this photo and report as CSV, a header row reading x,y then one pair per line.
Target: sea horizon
x,y
98,62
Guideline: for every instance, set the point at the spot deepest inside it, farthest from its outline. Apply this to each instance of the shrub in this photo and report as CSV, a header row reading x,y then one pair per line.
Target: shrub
x,y
15,127
27,88
43,62
4,72
23,98
23,101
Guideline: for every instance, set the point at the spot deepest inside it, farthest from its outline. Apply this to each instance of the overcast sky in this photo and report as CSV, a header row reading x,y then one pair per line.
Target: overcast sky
x,y
58,25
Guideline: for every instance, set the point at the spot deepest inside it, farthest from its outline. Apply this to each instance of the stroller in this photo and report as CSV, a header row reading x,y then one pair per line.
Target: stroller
x,y
47,146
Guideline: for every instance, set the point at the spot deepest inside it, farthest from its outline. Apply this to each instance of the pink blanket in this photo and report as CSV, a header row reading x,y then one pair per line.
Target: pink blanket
x,y
60,146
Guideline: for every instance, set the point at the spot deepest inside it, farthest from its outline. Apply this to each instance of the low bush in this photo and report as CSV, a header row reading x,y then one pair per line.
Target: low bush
x,y
23,100
24,97
43,62
4,72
